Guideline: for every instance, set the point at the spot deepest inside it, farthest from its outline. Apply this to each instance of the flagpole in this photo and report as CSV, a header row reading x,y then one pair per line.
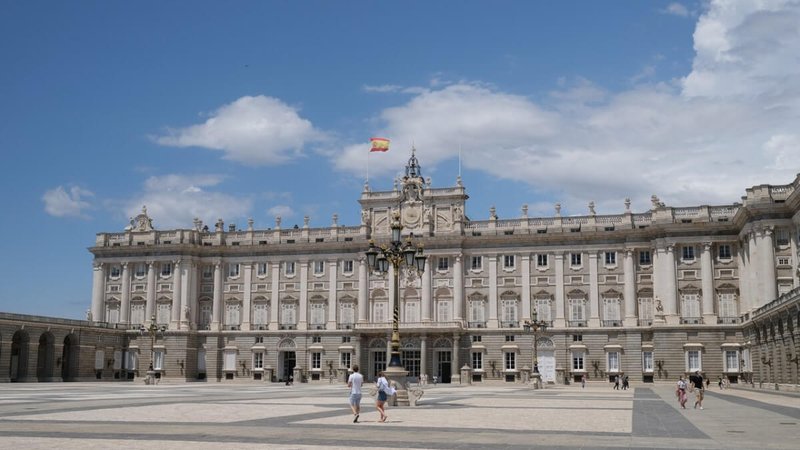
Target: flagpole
x,y
368,154
459,160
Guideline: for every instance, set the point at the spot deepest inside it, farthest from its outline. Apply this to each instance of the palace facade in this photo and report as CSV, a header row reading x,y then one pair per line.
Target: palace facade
x,y
650,294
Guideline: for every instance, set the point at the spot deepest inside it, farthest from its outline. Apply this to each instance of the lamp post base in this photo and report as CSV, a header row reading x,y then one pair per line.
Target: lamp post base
x,y
398,374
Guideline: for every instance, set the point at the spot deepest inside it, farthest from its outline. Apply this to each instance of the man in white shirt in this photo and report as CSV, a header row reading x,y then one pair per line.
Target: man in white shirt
x,y
354,382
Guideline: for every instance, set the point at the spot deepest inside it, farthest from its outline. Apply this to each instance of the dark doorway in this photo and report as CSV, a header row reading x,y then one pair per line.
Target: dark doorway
x,y
378,363
69,358
289,360
19,356
45,357
444,367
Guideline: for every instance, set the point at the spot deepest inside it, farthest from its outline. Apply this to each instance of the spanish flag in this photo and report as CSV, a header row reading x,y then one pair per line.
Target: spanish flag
x,y
379,144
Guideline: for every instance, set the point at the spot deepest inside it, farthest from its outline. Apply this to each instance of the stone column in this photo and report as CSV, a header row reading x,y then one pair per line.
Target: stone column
x,y
752,272
177,291
744,281
125,304
187,307
707,283
560,322
492,292
630,290
594,291
216,308
526,286
426,294
458,289
275,302
333,302
363,291
98,292
423,357
455,367
247,296
795,276
670,287
766,251
150,307
302,323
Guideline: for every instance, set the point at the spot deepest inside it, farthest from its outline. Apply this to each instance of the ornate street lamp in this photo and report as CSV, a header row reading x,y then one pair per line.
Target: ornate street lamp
x,y
533,326
153,330
400,255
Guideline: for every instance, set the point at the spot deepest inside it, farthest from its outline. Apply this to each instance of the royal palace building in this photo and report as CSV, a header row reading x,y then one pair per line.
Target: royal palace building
x,y
650,294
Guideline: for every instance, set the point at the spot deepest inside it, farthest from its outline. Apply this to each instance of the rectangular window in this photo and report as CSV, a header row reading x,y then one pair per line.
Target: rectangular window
x,y
163,313
262,269
316,360
288,316
443,263
644,258
541,260
319,267
477,263
379,313
731,361
348,266
317,313
158,360
344,360
724,251
575,259
687,253
782,237
577,361
477,360
229,360
783,261
288,267
508,261
233,270
347,314
693,362
611,258
166,269
577,310
260,313
411,361
443,311
477,338
577,338
258,360
690,304
647,362
511,361
115,271
316,339
727,304
233,314
208,272
645,308
99,359
613,362
509,338
140,270
542,308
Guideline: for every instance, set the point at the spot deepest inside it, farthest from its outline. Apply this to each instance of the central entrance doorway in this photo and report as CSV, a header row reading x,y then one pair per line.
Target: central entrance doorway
x,y
288,361
444,359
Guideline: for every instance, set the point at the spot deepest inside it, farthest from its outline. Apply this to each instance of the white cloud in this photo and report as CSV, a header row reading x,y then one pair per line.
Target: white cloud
x,y
283,211
173,201
676,9
60,203
729,124
251,130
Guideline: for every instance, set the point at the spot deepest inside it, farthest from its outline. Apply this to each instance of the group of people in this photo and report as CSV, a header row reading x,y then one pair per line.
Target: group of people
x,y
623,380
695,384
356,380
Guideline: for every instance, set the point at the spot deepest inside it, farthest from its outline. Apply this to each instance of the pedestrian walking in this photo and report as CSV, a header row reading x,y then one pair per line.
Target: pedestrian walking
x,y
583,381
721,385
625,384
380,402
616,382
699,389
354,382
680,391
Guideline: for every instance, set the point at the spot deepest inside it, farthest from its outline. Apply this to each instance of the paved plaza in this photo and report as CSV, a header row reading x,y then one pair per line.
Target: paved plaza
x,y
303,416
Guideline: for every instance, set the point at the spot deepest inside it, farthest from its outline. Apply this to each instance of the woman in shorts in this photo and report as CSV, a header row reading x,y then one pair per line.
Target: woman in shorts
x,y
383,386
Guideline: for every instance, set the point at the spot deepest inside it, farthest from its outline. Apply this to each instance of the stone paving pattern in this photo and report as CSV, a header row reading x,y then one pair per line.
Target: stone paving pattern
x,y
213,416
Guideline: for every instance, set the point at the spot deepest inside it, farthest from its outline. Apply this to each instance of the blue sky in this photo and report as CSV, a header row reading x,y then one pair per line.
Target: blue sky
x,y
256,109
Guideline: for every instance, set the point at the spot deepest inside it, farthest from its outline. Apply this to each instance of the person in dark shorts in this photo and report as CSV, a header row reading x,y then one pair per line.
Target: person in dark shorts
x,y
699,389
380,402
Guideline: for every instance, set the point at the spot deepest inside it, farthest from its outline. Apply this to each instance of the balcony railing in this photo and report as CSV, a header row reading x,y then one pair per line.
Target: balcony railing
x,y
612,323
645,322
345,326
728,320
287,326
316,326
259,326
576,323
509,324
476,324
691,320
